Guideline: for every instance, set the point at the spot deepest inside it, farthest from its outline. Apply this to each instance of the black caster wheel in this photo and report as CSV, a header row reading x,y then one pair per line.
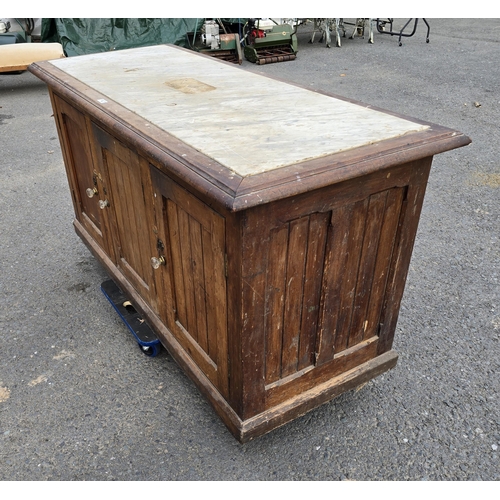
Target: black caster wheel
x,y
150,350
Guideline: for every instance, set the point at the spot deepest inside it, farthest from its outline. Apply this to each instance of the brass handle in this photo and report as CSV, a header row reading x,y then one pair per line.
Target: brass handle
x,y
91,192
156,262
103,204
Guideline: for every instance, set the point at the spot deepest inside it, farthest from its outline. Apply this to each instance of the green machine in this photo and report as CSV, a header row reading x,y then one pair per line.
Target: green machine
x,y
268,42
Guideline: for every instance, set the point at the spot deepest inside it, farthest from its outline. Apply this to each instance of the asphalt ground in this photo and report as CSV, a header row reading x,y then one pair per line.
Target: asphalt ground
x,y
78,400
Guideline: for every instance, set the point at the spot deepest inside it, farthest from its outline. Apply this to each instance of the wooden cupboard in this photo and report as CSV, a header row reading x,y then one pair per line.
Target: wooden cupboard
x,y
266,244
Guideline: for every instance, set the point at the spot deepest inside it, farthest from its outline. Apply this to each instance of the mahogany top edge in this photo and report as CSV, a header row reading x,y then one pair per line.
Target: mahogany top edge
x,y
236,192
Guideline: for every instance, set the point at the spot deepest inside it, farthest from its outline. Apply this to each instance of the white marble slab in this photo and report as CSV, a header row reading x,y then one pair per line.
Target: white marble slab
x,y
247,122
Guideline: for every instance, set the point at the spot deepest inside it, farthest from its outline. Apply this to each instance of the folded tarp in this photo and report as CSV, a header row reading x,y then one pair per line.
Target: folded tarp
x,y
90,35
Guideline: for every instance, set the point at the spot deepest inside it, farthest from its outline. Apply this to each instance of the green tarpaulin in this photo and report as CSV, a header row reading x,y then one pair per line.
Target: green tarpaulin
x,y
89,35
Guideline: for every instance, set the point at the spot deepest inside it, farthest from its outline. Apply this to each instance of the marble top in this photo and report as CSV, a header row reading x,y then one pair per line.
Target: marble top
x,y
247,122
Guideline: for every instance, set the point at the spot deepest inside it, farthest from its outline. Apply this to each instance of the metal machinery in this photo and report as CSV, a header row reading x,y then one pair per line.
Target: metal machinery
x,y
266,41
210,41
381,24
16,34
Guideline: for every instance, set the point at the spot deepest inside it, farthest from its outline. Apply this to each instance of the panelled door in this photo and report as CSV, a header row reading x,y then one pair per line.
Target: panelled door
x,y
86,180
192,256
129,199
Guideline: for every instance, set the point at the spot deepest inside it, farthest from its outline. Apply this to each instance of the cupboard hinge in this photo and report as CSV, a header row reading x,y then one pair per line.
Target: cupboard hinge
x,y
225,265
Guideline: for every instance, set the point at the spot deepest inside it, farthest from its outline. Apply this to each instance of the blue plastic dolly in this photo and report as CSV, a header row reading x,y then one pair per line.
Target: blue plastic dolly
x,y
147,340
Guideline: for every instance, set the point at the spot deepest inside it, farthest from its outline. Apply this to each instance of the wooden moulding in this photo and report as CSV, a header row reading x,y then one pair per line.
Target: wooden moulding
x,y
217,182
318,395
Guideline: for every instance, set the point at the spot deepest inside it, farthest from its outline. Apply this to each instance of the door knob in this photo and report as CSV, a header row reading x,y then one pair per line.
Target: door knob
x,y
156,262
91,192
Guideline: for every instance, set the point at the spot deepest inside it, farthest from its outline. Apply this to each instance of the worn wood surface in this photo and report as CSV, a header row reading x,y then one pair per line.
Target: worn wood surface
x,y
202,102
128,195
303,402
76,145
322,272
279,287
215,181
194,239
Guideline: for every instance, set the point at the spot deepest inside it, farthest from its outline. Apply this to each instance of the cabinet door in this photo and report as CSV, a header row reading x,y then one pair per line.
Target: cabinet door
x,y
85,178
194,277
129,206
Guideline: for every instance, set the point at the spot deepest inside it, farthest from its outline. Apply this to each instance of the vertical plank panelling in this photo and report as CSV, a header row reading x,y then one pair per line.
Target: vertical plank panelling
x,y
326,275
215,253
197,264
213,304
350,274
165,279
407,229
316,245
141,251
130,177
294,292
366,270
384,255
198,274
81,159
147,228
335,267
104,159
115,182
119,171
395,279
173,232
127,203
187,275
81,169
194,278
275,301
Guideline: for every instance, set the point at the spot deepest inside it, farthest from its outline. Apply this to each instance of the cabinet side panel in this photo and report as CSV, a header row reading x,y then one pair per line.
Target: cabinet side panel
x,y
328,275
